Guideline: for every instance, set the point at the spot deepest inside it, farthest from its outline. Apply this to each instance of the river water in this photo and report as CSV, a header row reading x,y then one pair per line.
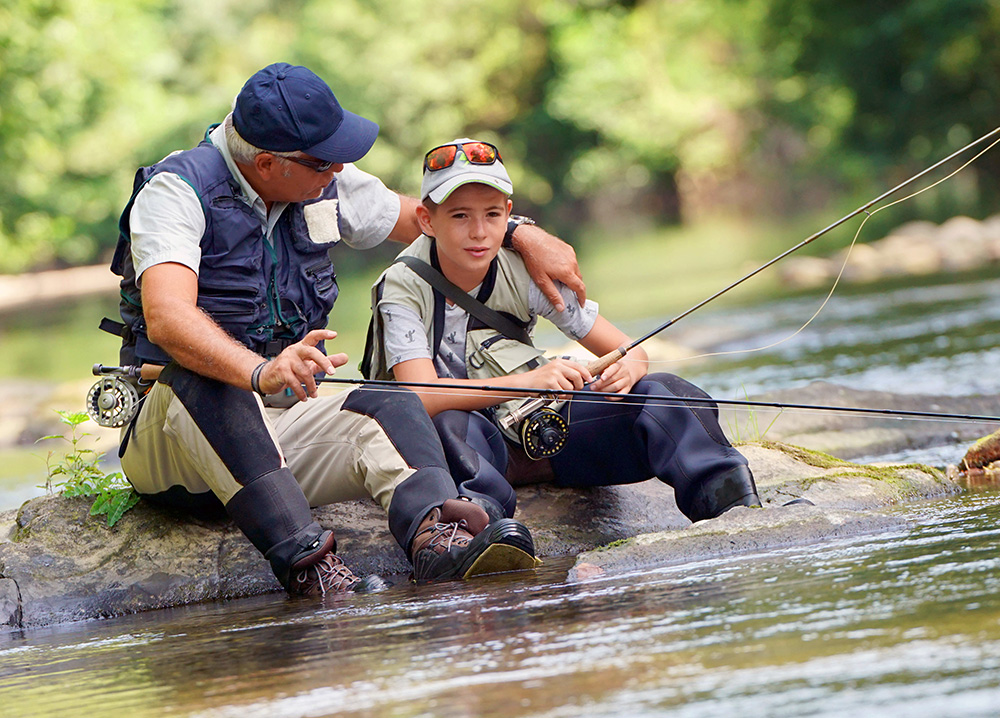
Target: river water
x,y
899,624
905,623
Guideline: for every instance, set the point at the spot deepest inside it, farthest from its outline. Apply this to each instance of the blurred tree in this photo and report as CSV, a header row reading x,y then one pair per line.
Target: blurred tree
x,y
89,89
605,109
869,85
662,87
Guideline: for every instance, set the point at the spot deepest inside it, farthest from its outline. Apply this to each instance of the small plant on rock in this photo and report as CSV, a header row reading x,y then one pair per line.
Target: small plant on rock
x,y
76,473
750,430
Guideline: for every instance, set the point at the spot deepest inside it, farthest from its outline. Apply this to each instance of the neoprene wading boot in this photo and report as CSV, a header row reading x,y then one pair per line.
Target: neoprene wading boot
x,y
457,540
725,491
303,560
494,511
323,571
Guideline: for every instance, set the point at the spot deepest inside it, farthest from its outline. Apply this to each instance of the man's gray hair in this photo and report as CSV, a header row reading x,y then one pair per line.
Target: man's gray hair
x,y
242,151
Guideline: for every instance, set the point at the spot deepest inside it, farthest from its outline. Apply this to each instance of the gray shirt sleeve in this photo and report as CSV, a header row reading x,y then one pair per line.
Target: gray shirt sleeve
x,y
403,335
574,321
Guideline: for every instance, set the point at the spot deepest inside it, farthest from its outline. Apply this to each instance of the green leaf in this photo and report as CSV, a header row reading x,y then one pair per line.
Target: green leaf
x,y
123,501
100,505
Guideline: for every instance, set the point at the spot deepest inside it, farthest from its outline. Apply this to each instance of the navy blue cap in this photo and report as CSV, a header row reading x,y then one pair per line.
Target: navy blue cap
x,y
288,108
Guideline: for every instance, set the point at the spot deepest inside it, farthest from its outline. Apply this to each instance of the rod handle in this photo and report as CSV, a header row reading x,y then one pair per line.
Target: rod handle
x,y
601,363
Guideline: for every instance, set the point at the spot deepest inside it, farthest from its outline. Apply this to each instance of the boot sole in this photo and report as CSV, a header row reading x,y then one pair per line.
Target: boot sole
x,y
509,547
504,545
501,559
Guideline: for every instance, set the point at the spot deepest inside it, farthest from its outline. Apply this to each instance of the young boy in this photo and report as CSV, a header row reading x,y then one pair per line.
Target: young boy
x,y
420,336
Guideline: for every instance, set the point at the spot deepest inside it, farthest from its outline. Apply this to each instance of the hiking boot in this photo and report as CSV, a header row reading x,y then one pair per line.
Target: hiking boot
x,y
456,540
322,573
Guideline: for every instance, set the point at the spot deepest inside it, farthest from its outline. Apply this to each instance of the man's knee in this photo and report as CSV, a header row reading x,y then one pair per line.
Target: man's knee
x,y
404,420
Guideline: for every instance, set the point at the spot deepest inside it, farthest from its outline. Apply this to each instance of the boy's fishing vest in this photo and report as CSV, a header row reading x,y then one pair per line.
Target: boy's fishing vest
x,y
488,354
266,295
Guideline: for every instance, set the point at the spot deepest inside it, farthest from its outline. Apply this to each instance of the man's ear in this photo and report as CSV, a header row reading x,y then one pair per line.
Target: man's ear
x,y
266,165
424,220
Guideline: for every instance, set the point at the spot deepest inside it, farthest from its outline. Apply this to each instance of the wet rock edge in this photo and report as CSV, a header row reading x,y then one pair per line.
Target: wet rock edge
x,y
59,564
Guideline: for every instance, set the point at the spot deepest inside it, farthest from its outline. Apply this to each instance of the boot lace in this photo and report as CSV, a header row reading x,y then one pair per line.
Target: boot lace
x,y
329,575
446,535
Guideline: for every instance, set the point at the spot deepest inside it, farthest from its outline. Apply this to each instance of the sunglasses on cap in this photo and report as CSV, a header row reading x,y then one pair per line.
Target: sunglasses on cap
x,y
444,156
318,165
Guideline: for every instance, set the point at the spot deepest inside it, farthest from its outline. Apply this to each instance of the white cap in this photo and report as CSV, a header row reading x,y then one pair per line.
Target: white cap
x,y
438,185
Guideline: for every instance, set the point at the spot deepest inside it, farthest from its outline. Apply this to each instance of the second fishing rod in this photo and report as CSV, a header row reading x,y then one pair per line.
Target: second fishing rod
x,y
544,430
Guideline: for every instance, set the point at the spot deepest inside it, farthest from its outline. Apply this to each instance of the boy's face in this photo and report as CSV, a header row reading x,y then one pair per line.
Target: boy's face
x,y
469,227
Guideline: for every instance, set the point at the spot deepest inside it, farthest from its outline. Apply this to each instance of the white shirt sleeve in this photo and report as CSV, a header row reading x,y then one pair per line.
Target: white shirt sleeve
x,y
574,321
167,223
369,210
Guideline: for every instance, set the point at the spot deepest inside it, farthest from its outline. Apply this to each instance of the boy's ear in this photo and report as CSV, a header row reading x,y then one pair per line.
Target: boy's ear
x,y
424,220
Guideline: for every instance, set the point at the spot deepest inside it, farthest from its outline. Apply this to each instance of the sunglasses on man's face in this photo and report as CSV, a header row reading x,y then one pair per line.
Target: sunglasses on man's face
x,y
478,153
318,165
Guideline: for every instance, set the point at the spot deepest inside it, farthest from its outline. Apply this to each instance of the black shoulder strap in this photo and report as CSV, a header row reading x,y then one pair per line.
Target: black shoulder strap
x,y
470,304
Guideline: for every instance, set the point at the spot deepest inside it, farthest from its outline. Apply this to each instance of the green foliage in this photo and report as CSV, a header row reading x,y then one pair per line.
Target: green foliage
x,y
80,475
900,82
645,105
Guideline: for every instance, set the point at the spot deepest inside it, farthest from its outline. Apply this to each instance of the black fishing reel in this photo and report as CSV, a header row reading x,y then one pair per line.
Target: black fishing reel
x,y
543,434
113,401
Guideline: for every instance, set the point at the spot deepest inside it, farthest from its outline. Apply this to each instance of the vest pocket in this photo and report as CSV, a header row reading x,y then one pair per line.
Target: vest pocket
x,y
499,356
322,275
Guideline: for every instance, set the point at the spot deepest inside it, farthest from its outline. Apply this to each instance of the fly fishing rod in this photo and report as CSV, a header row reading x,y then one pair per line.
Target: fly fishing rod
x,y
113,400
541,426
629,398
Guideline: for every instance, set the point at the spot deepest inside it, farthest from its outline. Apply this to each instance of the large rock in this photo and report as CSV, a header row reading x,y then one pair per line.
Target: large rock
x,y
58,563
958,245
841,499
855,435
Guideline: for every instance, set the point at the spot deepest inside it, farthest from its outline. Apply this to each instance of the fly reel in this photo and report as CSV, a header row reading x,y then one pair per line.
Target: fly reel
x,y
543,434
113,401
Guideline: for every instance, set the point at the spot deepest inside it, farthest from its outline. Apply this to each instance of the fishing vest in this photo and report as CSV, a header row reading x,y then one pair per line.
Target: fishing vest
x,y
488,353
267,295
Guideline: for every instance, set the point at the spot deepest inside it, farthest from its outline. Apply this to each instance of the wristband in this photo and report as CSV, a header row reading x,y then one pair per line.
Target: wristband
x,y
515,221
255,377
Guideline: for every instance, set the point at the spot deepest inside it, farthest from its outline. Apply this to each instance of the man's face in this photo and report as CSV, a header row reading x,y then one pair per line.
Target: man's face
x,y
284,180
469,227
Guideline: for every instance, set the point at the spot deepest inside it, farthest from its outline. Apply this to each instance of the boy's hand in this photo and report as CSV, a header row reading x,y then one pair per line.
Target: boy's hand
x,y
549,259
620,377
557,374
295,367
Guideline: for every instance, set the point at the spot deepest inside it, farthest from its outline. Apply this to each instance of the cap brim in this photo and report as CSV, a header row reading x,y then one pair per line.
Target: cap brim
x,y
349,143
441,193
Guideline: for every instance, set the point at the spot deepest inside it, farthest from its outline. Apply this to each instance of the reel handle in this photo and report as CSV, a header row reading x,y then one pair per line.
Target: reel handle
x,y
146,372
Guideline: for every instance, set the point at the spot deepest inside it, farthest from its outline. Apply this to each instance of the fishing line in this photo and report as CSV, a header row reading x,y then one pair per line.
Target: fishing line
x,y
843,266
501,393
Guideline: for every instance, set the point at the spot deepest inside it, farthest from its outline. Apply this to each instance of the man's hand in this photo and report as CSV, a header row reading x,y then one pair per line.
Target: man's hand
x,y
296,366
548,259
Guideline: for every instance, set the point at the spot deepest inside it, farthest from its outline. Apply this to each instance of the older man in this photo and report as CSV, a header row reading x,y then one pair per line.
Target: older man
x,y
227,284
